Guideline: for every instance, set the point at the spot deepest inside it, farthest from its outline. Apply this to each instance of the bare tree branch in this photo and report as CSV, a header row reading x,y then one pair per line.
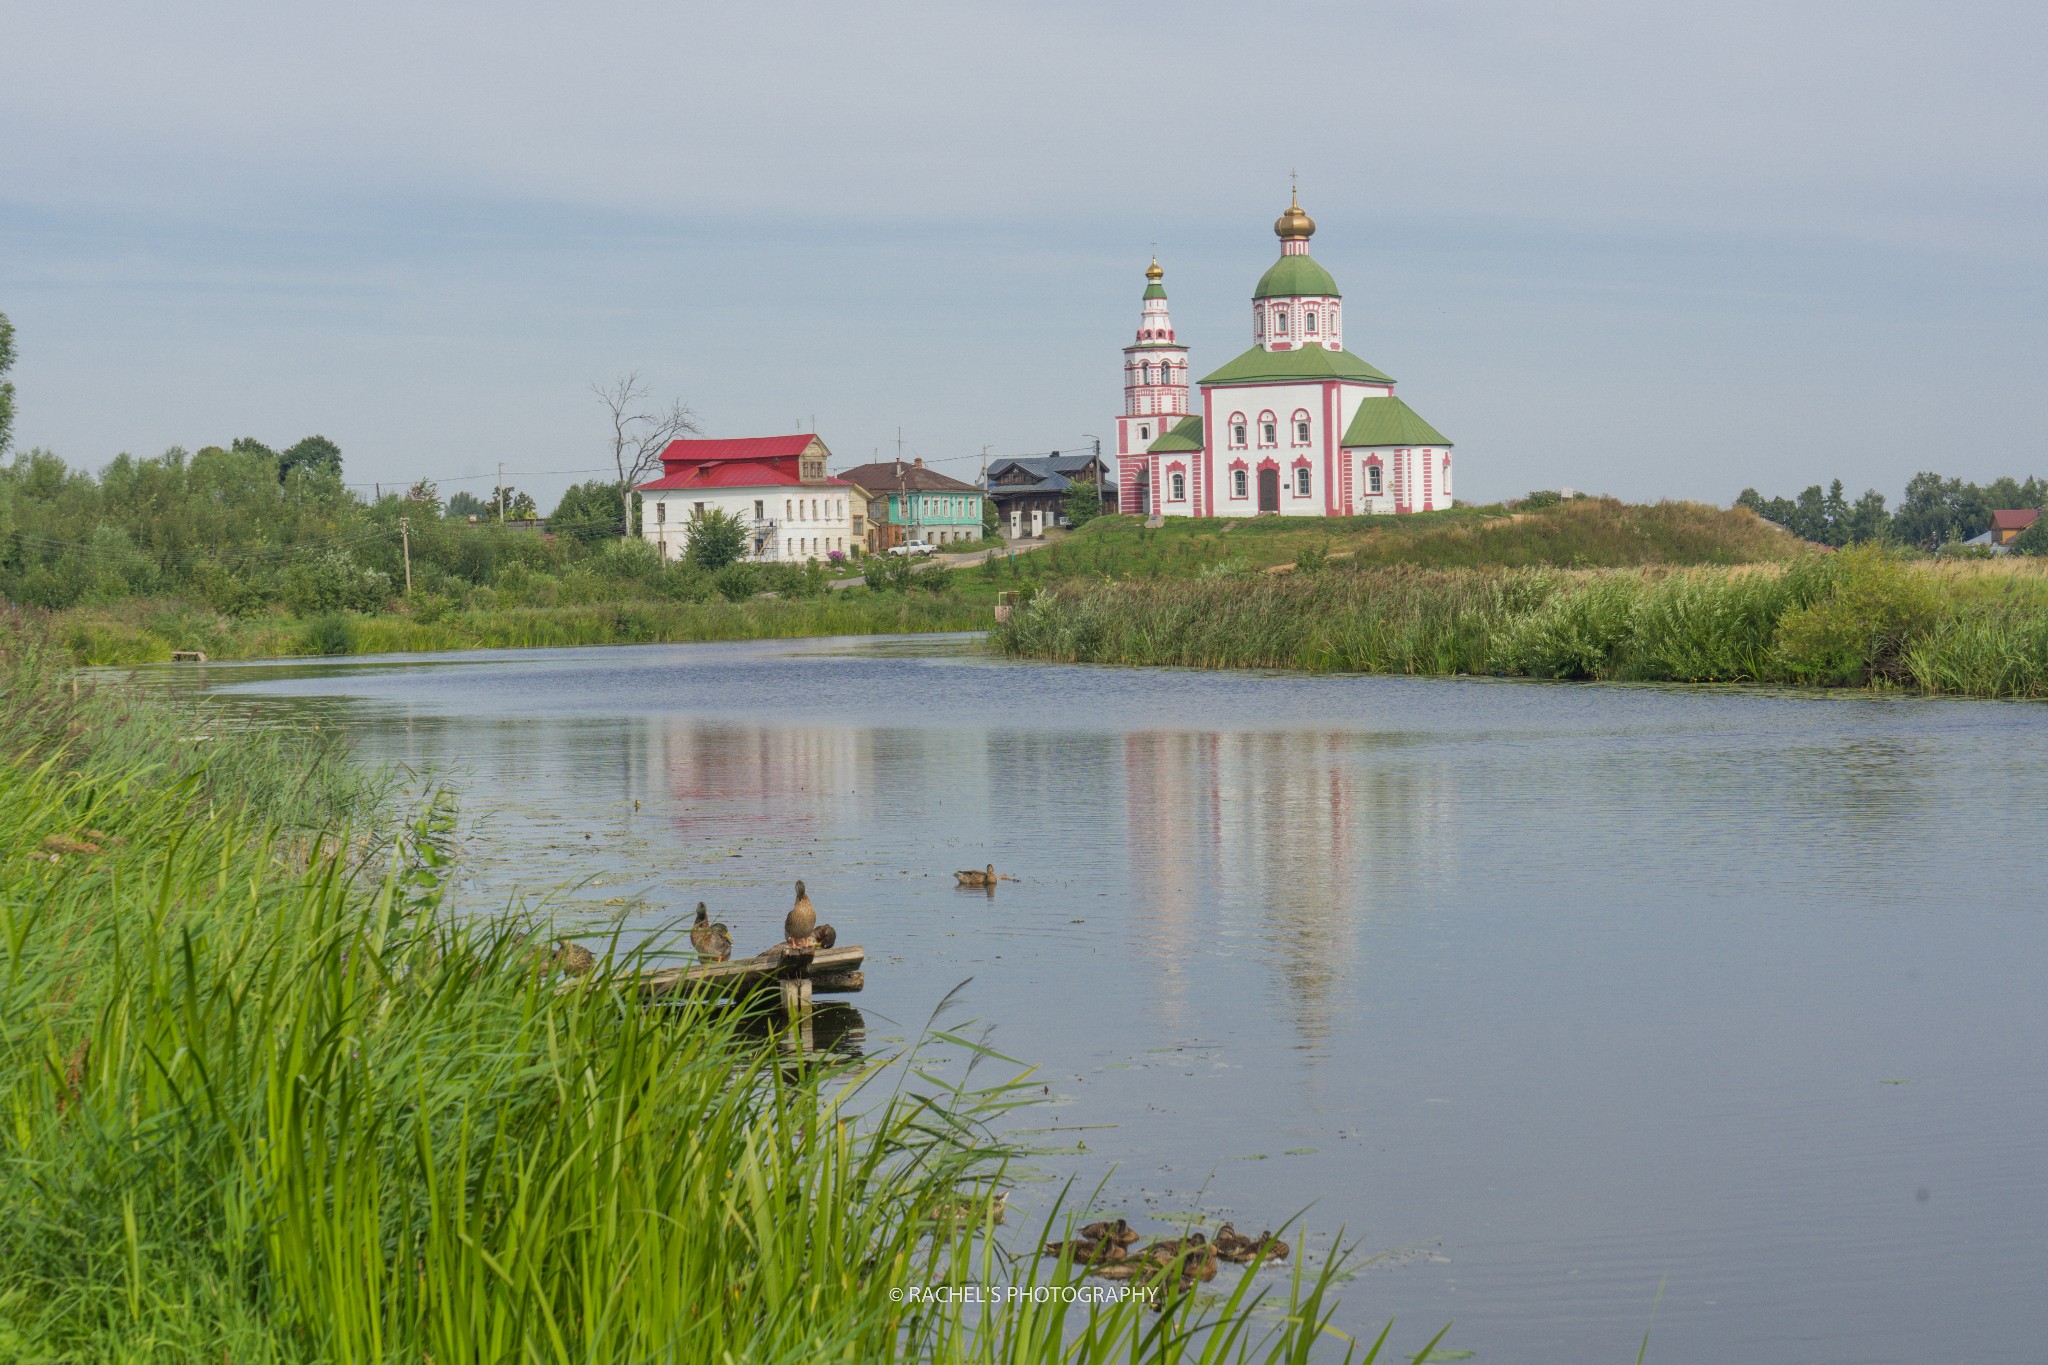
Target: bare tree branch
x,y
640,433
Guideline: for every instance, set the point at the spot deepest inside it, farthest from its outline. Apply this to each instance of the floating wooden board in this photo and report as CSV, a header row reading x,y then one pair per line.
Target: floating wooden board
x,y
833,970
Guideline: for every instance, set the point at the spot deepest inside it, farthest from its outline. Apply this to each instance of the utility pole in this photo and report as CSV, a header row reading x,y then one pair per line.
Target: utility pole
x,y
405,541
501,492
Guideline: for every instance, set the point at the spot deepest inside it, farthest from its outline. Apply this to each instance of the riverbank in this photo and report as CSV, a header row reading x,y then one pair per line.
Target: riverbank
x,y
1860,618
148,632
270,1101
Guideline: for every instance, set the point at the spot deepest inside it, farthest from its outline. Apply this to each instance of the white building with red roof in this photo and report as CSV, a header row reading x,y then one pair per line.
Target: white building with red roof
x,y
775,485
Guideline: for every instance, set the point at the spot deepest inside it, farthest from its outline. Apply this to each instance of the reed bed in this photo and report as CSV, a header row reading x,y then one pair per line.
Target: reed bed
x,y
267,1100
147,632
1860,618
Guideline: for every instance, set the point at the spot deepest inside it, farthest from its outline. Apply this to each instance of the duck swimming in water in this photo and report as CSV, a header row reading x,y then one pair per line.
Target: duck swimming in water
x,y
710,940
802,920
986,877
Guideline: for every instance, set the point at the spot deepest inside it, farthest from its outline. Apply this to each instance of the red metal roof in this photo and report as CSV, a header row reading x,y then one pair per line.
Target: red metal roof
x,y
739,448
2018,519
744,475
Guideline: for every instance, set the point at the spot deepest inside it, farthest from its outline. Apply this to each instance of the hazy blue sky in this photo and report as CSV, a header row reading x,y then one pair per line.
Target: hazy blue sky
x,y
1655,250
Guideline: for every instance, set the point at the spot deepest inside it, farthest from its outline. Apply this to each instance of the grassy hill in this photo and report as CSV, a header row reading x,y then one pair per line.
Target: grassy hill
x,y
1581,533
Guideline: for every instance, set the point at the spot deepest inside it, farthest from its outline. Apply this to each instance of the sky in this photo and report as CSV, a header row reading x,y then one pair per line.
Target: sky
x,y
1649,250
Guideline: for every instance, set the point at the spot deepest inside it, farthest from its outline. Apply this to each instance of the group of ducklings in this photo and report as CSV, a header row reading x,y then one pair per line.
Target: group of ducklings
x,y
801,932
1105,1248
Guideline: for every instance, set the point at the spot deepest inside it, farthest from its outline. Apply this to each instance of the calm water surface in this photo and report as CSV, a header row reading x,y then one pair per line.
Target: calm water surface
x,y
1565,992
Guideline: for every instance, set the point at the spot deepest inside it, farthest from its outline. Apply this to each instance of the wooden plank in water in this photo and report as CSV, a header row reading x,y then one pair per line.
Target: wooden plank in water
x,y
757,972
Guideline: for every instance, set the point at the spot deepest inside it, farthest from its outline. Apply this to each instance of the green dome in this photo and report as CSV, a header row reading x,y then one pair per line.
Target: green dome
x,y
1293,275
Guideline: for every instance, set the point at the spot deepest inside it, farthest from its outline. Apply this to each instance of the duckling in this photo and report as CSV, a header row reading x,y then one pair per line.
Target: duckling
x,y
801,921
1119,1232
986,877
824,936
1089,1251
710,940
573,958
1167,1249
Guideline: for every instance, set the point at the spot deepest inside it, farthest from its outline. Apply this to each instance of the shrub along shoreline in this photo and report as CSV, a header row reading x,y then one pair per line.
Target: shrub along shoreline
x,y
147,632
1864,617
270,1100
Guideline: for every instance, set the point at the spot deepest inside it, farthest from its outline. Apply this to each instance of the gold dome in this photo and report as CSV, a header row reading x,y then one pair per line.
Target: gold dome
x,y
1294,223
1153,272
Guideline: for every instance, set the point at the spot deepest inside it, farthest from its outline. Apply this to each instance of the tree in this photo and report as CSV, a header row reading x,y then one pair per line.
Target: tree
x,y
466,504
588,511
6,385
717,538
425,496
1084,502
509,504
640,433
314,452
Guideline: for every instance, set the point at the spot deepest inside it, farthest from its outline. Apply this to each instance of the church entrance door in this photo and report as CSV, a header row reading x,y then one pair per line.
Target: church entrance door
x,y
1269,490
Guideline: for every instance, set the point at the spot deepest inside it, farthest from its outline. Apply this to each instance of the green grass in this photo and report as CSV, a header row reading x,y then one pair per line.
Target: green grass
x,y
148,631
1860,618
268,1100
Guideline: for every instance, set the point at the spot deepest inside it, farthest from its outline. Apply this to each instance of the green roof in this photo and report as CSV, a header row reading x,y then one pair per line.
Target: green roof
x,y
1186,435
1155,291
1390,422
1309,362
1291,275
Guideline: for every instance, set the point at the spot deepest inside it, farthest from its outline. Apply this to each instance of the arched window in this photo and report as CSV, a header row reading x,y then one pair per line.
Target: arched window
x,y
1372,479
1311,322
1180,487
1237,430
1301,482
1147,368
1144,432
1269,430
1280,320
1238,487
1258,322
1300,428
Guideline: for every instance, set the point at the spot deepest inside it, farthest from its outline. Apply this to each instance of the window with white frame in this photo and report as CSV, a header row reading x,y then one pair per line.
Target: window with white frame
x,y
760,509
1144,432
1237,483
1269,430
1372,479
1301,428
1311,321
1280,320
1301,481
1180,487
1237,430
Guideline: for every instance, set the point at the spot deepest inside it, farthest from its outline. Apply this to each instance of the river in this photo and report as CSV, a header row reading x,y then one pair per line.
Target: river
x,y
1558,993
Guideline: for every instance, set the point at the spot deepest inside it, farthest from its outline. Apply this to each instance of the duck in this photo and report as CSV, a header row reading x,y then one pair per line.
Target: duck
x,y
573,958
1169,1249
1234,1246
824,936
710,940
1089,1251
986,877
801,921
1119,1232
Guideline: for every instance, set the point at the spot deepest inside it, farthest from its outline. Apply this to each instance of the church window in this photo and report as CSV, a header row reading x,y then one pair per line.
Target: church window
x,y
1301,482
1258,323
1269,430
1301,431
1237,483
1237,430
1144,432
1372,478
1180,487
1311,322
1147,368
1280,319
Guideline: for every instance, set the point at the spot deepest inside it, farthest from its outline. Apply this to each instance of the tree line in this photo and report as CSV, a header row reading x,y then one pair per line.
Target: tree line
x,y
1935,512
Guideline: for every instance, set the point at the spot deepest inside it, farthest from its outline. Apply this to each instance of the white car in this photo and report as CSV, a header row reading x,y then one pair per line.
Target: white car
x,y
915,547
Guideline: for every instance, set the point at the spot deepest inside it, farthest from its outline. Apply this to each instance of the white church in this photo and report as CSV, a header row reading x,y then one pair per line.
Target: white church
x,y
1297,425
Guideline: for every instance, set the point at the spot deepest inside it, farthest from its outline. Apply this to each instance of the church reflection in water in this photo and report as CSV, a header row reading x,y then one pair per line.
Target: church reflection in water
x,y
1219,847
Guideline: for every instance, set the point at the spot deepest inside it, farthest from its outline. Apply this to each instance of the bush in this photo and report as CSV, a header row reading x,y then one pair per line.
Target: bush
x,y
737,582
333,582
1858,630
717,539
328,635
429,607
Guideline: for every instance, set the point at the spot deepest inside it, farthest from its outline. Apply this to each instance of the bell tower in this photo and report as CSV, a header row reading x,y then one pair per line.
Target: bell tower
x,y
1155,390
